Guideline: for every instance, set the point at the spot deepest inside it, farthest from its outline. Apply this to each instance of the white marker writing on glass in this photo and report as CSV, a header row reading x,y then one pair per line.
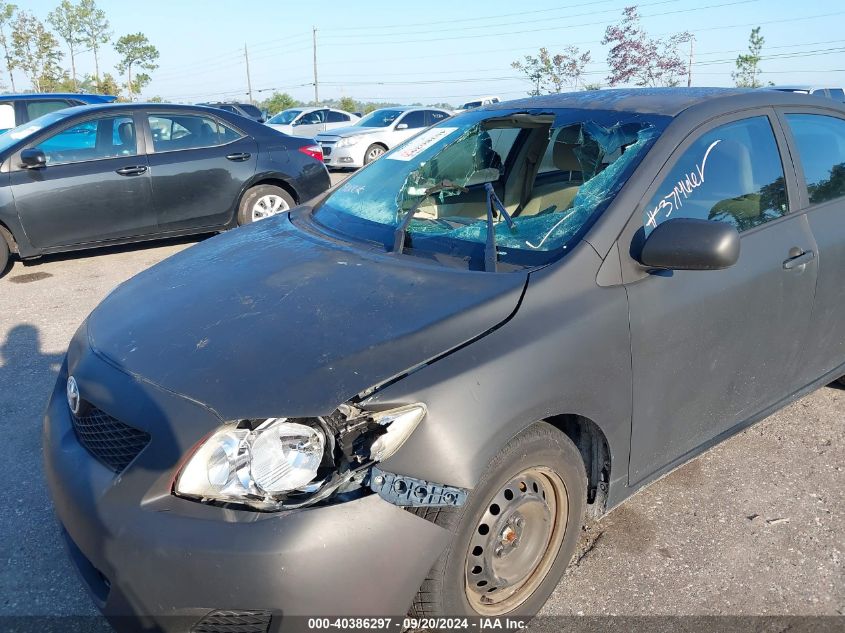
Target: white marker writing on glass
x,y
672,200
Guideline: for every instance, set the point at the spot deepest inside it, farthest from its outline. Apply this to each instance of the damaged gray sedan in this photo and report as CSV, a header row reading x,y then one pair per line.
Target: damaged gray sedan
x,y
407,397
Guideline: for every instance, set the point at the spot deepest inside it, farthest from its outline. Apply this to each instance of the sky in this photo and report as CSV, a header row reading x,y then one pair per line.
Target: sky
x,y
445,50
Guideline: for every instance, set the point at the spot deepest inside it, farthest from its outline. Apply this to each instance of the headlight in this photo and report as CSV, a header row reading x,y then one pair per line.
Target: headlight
x,y
235,464
348,141
285,463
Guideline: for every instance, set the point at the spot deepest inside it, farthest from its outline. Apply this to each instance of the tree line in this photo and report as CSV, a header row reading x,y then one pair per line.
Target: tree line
x,y
633,58
32,47
279,101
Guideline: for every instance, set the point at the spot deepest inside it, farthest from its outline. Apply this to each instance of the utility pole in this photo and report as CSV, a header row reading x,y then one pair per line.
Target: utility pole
x,y
316,88
248,80
691,55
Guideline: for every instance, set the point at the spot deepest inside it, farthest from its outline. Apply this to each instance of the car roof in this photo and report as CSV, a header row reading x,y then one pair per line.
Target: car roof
x,y
661,101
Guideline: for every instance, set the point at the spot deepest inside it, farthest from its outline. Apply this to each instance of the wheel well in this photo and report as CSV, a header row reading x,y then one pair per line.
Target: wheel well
x,y
379,143
592,444
10,239
278,182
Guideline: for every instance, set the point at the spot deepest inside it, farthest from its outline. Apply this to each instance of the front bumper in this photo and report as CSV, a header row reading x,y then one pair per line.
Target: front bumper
x,y
165,562
351,156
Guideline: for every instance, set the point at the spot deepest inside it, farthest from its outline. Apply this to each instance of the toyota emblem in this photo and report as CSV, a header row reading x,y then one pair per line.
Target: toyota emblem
x,y
73,399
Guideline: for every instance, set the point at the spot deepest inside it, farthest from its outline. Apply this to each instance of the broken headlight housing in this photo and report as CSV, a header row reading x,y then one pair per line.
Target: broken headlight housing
x,y
282,463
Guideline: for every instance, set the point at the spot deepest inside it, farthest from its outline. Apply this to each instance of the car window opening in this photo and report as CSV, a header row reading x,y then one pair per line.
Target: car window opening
x,y
551,173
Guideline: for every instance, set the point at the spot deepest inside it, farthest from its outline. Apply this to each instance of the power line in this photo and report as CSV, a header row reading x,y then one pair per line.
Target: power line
x,y
551,28
505,24
471,19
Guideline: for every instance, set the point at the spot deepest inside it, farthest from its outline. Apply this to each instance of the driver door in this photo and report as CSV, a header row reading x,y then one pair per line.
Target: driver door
x,y
410,124
713,349
310,124
95,186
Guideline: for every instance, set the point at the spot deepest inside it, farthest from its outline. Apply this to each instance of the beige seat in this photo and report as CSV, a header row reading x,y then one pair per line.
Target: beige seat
x,y
556,196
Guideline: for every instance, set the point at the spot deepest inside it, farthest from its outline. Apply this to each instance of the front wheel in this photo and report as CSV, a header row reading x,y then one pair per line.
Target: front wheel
x,y
516,533
263,201
373,152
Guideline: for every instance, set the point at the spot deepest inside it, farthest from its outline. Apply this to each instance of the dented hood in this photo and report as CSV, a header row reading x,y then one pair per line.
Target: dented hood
x,y
269,320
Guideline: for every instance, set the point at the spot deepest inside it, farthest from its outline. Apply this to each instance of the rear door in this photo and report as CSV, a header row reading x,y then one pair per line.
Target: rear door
x,y
95,187
712,349
199,164
817,139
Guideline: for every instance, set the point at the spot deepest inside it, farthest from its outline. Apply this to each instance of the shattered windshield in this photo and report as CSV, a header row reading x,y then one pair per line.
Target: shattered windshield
x,y
379,118
552,171
285,117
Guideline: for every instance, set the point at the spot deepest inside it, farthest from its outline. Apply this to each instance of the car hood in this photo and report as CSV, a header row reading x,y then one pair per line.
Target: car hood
x,y
352,131
272,320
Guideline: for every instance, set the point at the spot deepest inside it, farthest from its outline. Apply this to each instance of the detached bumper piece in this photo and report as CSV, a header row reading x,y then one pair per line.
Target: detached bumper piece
x,y
233,622
410,492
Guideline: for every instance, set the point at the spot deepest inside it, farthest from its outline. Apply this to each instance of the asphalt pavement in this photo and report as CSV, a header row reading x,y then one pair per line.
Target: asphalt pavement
x,y
756,526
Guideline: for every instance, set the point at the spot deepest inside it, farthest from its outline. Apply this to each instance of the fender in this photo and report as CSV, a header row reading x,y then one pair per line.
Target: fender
x,y
568,346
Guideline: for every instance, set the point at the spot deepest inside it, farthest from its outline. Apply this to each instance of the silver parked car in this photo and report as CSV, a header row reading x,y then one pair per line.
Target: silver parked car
x,y
309,122
378,132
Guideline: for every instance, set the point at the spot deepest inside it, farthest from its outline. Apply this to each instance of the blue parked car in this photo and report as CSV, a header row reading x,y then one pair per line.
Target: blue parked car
x,y
18,109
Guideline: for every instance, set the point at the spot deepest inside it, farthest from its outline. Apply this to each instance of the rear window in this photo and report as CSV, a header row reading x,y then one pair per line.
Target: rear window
x,y
35,109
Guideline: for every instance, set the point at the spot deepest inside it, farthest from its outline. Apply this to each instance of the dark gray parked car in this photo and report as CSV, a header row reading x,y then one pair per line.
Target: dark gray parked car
x,y
95,175
408,396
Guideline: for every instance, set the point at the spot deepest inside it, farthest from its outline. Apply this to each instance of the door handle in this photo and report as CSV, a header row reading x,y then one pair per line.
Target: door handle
x,y
134,170
798,258
239,156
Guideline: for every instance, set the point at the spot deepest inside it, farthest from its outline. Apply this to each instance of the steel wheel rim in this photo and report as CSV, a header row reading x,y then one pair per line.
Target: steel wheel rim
x,y
268,205
516,542
375,153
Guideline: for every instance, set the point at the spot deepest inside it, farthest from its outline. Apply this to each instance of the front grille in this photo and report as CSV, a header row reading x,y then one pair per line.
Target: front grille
x,y
233,622
110,441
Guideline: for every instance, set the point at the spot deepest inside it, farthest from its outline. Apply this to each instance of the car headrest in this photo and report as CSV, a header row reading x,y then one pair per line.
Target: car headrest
x,y
564,158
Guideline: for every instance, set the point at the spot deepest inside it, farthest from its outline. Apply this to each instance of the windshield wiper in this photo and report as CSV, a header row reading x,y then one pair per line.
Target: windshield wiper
x,y
399,233
494,207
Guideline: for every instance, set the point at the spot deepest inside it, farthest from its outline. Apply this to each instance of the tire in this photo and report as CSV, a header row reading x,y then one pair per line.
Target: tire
x,y
461,580
373,152
4,256
263,201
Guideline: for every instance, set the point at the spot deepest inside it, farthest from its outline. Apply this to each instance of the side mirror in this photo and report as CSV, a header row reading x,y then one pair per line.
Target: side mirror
x,y
402,126
32,158
688,244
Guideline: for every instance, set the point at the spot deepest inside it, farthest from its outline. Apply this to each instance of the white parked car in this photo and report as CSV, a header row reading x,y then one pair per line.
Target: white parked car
x,y
309,122
376,133
477,103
